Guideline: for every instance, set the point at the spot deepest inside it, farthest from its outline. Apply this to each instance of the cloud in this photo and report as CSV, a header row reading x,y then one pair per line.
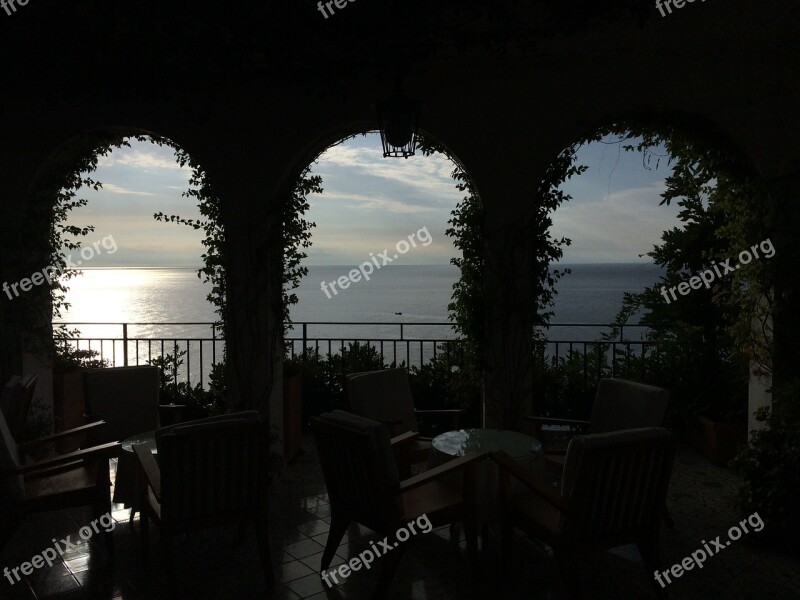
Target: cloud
x,y
141,160
429,174
614,228
380,202
116,189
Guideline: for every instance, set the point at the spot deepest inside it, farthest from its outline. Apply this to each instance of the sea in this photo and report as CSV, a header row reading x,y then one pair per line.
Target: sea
x,y
166,309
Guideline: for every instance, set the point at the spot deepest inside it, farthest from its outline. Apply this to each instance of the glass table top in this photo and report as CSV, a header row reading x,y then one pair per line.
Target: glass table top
x,y
464,441
148,437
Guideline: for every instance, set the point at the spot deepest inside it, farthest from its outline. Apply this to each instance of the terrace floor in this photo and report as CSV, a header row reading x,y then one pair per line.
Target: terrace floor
x,y
215,564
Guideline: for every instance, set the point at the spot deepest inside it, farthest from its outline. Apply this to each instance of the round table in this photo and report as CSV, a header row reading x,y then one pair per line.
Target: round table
x,y
148,437
523,448
516,445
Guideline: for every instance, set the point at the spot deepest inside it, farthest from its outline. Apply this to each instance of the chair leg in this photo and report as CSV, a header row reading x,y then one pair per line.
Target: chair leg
x,y
651,557
569,571
335,535
263,551
169,562
506,541
102,503
389,565
144,531
668,519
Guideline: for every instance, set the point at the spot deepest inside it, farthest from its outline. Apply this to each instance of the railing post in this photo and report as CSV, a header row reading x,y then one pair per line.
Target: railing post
x,y
125,344
213,344
305,338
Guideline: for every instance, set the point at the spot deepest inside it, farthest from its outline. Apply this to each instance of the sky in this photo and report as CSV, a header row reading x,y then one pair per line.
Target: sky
x,y
369,203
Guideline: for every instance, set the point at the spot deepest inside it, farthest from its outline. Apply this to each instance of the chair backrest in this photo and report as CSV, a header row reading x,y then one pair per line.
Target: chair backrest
x,y
16,400
616,483
213,469
126,398
359,467
622,404
383,396
11,485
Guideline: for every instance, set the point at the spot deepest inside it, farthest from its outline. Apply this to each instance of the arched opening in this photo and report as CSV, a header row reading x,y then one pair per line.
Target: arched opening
x,y
120,288
383,263
684,205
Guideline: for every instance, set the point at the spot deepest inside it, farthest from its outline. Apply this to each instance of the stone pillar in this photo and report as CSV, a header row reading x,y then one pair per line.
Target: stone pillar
x,y
253,338
786,314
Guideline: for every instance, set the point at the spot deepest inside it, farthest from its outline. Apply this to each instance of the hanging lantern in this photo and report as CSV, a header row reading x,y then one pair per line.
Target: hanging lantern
x,y
398,119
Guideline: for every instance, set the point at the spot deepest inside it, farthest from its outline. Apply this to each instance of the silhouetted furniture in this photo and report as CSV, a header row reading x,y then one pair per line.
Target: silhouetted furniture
x,y
385,396
71,480
210,472
126,398
612,493
16,402
364,487
619,404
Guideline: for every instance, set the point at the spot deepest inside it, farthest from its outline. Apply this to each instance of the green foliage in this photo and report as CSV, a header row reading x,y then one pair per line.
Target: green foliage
x,y
448,380
296,236
568,385
699,357
208,203
69,359
199,403
324,375
770,468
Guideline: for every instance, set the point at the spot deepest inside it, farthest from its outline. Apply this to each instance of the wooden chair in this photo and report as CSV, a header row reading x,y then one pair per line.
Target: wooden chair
x,y
619,404
612,493
385,396
126,398
364,487
17,398
229,488
75,479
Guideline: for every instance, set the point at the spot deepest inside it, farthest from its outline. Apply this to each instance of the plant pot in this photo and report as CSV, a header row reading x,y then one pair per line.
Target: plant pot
x,y
292,413
718,442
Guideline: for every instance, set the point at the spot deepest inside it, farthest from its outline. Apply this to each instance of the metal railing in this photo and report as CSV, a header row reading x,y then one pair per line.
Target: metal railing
x,y
412,344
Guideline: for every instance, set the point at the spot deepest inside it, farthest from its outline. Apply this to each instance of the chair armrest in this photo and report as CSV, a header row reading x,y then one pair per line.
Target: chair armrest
x,y
437,472
106,450
60,435
508,466
404,438
150,468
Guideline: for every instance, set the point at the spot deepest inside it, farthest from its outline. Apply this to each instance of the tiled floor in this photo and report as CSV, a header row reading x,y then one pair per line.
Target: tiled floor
x,y
216,564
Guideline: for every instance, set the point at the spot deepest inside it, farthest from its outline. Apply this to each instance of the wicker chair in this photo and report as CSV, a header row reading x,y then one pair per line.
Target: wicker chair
x,y
17,397
364,487
612,494
230,488
71,480
385,396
